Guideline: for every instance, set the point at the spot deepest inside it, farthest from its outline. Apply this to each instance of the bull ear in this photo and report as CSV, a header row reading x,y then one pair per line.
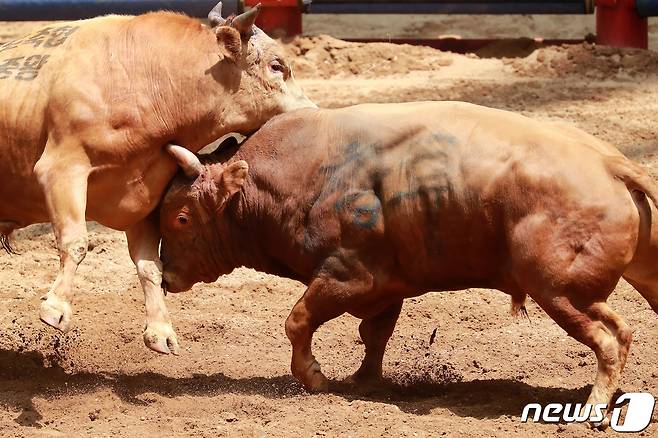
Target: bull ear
x,y
230,40
189,162
233,177
244,23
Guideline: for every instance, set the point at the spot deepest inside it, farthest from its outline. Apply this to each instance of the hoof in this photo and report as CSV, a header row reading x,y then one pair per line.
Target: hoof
x,y
364,380
317,383
313,380
56,313
160,337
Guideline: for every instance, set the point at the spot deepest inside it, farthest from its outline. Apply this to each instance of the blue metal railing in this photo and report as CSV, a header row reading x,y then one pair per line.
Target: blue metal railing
x,y
647,8
27,10
449,7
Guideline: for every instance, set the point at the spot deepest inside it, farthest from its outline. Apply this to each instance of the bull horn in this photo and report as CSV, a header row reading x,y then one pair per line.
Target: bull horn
x,y
244,22
215,16
189,162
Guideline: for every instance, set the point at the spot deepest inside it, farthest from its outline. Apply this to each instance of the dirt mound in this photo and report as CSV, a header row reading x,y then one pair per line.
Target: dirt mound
x,y
588,60
326,57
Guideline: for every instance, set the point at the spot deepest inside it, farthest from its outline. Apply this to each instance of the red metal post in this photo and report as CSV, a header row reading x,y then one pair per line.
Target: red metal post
x,y
278,18
618,24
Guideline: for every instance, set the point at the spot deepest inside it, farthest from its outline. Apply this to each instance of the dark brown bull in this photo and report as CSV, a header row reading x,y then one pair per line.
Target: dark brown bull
x,y
376,203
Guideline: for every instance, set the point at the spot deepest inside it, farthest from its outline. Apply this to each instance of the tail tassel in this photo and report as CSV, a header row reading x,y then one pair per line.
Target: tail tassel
x,y
5,241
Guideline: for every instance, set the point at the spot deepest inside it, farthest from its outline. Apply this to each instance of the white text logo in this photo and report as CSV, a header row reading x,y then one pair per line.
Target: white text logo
x,y
637,418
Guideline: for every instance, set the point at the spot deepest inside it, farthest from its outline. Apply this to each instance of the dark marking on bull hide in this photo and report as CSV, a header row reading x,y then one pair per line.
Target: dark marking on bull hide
x,y
432,185
442,137
341,174
22,68
434,195
27,67
364,208
350,180
47,38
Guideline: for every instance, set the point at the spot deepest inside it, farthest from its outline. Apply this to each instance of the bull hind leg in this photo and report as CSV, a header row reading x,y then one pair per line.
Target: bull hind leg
x,y
596,325
375,333
62,172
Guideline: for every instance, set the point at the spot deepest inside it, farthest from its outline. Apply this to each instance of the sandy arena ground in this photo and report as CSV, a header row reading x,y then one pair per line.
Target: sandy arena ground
x,y
233,377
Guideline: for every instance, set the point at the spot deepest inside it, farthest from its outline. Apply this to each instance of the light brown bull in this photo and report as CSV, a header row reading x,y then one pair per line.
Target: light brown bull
x,y
86,109
371,204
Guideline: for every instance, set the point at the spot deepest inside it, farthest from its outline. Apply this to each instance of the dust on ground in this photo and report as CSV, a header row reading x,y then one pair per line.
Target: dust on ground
x,y
233,377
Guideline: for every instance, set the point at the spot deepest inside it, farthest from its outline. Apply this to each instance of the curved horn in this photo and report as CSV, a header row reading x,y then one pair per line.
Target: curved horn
x,y
189,162
244,22
215,16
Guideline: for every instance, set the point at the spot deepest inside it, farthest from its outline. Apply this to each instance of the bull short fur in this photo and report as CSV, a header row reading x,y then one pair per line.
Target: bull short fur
x,y
86,110
372,204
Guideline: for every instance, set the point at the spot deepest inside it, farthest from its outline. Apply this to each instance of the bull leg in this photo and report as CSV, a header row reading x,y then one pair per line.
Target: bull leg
x,y
343,281
375,333
143,241
318,305
64,182
600,328
300,325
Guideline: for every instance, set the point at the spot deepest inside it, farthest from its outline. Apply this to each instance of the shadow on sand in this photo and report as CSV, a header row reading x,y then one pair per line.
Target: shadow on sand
x,y
24,376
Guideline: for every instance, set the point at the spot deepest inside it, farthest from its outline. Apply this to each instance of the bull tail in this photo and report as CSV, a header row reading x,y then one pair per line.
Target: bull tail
x,y
633,176
641,273
5,241
518,305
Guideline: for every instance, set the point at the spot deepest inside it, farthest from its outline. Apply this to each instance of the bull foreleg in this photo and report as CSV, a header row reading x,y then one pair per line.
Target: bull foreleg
x,y
143,241
328,296
314,308
375,333
64,181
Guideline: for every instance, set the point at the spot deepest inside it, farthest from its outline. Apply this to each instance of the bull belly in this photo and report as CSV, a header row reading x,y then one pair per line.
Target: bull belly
x,y
435,264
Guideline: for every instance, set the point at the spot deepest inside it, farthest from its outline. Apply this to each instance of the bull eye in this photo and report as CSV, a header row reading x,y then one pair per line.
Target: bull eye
x,y
182,220
277,66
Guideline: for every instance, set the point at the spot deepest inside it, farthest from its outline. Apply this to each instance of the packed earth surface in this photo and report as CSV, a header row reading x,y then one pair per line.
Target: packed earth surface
x,y
457,365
